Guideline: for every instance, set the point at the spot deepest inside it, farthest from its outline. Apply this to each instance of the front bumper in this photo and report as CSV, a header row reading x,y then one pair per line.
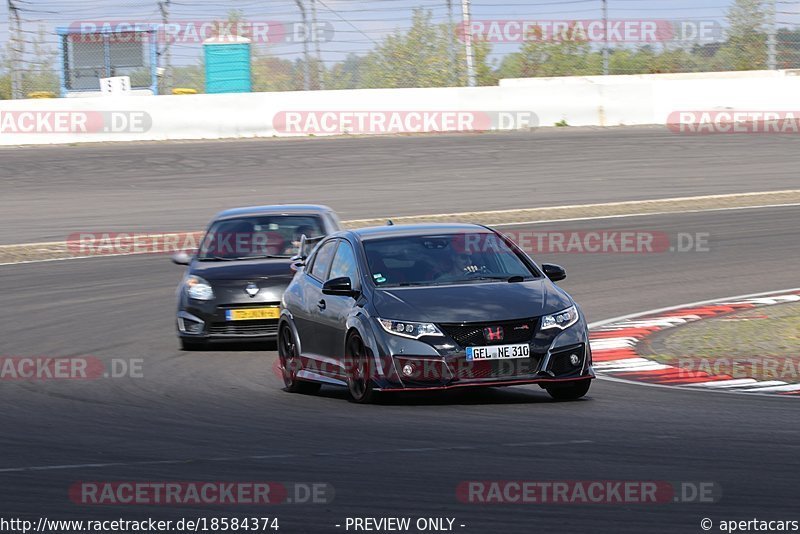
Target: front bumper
x,y
209,322
441,362
562,364
206,320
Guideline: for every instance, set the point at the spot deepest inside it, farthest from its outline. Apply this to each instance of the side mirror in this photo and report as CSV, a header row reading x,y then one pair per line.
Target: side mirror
x,y
181,258
339,286
297,262
554,272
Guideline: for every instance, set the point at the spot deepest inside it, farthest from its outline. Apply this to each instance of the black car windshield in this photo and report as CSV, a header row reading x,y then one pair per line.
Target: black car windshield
x,y
443,259
263,236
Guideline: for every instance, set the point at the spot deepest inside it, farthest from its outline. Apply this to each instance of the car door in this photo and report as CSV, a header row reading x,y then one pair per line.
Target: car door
x,y
333,315
307,317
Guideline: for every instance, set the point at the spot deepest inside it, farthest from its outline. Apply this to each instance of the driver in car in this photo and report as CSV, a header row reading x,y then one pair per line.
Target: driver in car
x,y
459,265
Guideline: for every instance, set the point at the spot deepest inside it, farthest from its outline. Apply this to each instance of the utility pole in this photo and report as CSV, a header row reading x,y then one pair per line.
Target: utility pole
x,y
307,66
163,6
605,38
15,49
772,56
465,15
315,36
453,50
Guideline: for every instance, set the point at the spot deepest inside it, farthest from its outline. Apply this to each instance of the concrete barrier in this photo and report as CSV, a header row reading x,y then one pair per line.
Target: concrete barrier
x,y
576,101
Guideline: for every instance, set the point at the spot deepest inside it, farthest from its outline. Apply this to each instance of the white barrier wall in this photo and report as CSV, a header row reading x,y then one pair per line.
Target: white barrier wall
x,y
579,101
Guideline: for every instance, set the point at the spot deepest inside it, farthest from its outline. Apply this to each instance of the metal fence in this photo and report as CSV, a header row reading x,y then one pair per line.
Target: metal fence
x,y
345,44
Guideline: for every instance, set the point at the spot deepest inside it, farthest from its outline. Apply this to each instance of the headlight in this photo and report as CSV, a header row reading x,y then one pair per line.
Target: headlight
x,y
198,289
409,329
563,319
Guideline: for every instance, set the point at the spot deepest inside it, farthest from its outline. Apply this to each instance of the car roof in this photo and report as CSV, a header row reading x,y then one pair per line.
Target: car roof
x,y
277,209
402,230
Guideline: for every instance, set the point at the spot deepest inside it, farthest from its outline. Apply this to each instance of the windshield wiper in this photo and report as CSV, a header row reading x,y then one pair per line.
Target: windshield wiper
x,y
215,258
512,279
262,257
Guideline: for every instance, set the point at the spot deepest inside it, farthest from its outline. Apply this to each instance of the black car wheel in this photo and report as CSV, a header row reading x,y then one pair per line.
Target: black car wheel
x,y
290,363
571,391
359,380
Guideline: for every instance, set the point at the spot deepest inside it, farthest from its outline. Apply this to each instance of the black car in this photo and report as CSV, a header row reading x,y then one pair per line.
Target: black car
x,y
428,307
234,283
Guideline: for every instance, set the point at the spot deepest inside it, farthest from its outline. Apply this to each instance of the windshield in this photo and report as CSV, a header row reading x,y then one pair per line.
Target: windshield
x,y
266,236
443,259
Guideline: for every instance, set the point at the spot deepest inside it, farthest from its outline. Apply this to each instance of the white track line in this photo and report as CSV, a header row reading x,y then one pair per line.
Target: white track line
x,y
466,216
776,388
735,382
598,324
654,213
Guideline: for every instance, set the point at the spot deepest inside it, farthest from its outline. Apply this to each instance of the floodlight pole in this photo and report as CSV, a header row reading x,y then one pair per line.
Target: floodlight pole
x,y
163,5
320,67
307,66
772,59
605,38
15,49
466,16
451,29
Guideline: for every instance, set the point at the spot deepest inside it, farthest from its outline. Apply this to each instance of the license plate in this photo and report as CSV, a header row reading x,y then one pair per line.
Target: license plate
x,y
250,314
499,352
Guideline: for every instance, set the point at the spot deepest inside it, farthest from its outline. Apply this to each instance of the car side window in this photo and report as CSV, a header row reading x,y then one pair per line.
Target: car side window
x,y
322,260
344,263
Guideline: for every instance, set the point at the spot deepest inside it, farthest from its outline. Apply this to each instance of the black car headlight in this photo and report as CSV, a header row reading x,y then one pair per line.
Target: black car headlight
x,y
410,329
198,288
561,320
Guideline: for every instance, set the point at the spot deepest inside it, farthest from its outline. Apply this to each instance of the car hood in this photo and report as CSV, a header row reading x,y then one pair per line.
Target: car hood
x,y
243,269
471,303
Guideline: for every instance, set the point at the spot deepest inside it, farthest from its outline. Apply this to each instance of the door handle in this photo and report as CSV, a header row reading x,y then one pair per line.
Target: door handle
x,y
321,304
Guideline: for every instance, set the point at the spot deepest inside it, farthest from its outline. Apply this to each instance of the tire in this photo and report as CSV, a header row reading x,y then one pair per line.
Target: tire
x,y
570,392
287,352
359,371
192,345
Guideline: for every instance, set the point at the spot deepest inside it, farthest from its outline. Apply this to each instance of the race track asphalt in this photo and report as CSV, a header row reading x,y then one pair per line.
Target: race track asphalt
x,y
208,415
49,193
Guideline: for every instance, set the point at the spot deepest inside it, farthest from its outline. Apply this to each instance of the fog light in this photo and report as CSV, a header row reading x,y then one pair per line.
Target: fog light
x,y
408,369
189,324
574,359
193,328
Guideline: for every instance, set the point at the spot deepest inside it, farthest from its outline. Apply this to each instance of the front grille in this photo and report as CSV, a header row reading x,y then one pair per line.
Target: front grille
x,y
559,361
267,327
471,334
466,370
